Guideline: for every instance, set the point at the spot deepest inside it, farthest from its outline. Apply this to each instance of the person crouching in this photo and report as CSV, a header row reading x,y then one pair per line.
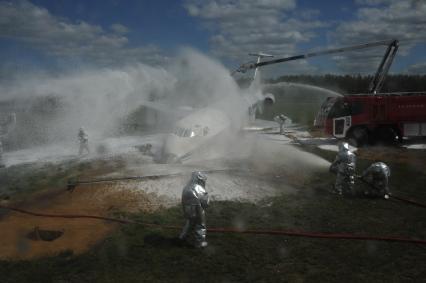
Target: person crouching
x,y
376,176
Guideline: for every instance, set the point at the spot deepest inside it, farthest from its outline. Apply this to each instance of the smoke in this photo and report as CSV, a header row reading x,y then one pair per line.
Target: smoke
x,y
202,82
95,99
52,108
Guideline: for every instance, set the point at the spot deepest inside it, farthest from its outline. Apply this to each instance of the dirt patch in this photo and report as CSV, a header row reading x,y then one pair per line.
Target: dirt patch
x,y
78,235
44,235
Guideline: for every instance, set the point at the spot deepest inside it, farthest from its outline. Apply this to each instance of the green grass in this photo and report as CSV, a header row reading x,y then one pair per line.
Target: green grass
x,y
137,254
19,183
140,254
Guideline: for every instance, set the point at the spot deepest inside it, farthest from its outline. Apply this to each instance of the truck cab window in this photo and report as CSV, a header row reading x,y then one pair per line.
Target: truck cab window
x,y
339,109
357,108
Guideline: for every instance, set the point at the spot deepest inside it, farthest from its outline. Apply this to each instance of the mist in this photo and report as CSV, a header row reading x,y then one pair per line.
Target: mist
x,y
94,99
51,109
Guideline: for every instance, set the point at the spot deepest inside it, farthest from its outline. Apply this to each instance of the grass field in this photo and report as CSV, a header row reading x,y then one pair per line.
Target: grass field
x,y
139,254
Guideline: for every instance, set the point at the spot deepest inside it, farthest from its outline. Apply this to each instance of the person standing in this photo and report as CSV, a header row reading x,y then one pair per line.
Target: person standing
x,y
84,141
195,200
344,166
281,120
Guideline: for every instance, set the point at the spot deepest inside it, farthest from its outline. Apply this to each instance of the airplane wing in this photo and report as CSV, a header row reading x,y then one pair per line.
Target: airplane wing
x,y
260,125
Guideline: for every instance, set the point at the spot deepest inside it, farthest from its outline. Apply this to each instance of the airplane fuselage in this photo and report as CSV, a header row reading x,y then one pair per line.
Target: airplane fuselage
x,y
195,131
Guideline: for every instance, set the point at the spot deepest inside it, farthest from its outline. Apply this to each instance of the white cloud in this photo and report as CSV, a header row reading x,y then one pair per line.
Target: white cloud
x,y
119,28
373,2
379,20
240,27
35,26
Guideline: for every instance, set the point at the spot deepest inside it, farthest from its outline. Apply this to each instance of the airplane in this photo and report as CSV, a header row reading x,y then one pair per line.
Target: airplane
x,y
207,125
259,56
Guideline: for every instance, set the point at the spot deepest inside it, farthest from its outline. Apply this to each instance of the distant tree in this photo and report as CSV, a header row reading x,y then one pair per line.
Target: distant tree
x,y
357,83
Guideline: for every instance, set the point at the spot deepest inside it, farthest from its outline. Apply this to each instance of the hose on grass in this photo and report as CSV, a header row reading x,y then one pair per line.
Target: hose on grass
x,y
336,236
408,201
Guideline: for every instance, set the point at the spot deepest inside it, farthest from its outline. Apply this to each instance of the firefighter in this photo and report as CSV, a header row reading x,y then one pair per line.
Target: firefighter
x,y
344,167
195,200
84,141
281,120
377,178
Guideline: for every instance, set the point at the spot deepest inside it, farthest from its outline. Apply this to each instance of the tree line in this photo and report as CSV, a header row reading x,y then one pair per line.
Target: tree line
x,y
349,84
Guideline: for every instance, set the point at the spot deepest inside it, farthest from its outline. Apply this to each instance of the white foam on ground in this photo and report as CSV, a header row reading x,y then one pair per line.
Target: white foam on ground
x,y
55,153
41,154
300,134
266,159
335,148
263,156
415,146
220,186
278,138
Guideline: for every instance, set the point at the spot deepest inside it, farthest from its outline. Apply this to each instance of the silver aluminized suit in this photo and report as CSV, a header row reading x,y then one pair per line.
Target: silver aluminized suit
x,y
281,119
195,200
377,177
84,141
344,166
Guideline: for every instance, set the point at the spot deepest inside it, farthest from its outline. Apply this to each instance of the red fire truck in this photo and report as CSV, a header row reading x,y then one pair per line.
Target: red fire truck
x,y
365,117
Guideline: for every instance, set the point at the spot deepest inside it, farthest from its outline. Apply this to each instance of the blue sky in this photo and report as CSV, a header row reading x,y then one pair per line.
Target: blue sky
x,y
63,34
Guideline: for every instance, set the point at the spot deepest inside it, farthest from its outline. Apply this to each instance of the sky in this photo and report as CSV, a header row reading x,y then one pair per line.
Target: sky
x,y
62,35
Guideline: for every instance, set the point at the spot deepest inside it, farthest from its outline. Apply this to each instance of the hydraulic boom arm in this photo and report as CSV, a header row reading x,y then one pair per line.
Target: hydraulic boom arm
x,y
375,84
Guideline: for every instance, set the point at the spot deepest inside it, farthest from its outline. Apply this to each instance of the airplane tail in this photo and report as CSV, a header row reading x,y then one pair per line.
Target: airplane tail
x,y
259,56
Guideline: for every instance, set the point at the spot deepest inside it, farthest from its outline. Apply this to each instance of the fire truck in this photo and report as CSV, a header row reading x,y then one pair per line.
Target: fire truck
x,y
363,118
370,116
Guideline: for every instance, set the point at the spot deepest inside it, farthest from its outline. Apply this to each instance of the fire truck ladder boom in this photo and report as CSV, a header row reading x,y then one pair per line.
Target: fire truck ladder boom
x,y
378,79
377,82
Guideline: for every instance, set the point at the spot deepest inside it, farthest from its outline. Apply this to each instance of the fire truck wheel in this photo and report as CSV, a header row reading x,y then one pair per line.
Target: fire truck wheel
x,y
386,135
358,137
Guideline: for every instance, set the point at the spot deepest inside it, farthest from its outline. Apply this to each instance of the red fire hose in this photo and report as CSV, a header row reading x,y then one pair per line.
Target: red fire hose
x,y
409,201
230,230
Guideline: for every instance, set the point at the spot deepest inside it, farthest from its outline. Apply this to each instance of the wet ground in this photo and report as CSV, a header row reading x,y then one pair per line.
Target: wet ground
x,y
251,172
275,182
